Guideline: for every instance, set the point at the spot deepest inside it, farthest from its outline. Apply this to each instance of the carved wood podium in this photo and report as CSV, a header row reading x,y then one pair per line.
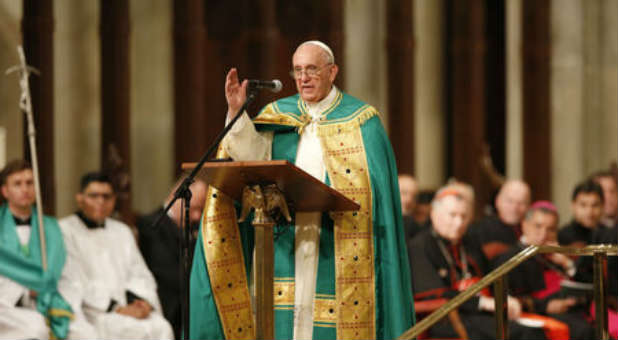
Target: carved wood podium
x,y
303,192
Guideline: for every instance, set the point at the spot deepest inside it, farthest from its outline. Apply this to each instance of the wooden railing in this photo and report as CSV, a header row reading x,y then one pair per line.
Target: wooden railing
x,y
499,280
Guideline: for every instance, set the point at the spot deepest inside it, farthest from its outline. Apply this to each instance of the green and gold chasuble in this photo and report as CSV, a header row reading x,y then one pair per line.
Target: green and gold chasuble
x,y
23,265
363,288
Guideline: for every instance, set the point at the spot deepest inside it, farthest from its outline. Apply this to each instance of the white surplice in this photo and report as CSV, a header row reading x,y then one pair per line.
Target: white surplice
x,y
110,265
25,322
243,143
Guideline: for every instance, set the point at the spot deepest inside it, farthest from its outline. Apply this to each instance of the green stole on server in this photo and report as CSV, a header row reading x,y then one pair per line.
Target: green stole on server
x,y
363,281
24,267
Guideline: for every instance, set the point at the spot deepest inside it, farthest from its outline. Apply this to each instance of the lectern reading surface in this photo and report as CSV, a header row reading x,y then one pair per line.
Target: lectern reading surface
x,y
302,191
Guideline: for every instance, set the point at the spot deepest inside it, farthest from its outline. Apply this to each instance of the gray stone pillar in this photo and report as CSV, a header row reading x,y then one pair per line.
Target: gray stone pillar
x,y
429,93
152,103
514,137
78,102
364,52
567,87
584,83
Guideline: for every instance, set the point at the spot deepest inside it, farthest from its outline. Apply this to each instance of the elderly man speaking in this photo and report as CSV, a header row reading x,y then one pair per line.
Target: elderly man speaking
x,y
337,275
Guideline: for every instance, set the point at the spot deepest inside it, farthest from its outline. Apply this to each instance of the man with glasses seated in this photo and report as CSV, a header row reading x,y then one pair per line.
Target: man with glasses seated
x,y
537,281
337,275
118,292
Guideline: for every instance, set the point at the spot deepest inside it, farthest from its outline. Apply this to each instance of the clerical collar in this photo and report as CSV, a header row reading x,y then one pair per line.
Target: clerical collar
x,y
90,224
523,241
315,109
25,221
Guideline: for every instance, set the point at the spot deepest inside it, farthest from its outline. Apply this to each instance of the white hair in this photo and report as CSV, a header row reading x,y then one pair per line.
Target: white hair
x,y
330,57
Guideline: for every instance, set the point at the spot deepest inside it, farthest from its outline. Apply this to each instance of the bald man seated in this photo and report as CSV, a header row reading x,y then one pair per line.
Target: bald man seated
x,y
497,233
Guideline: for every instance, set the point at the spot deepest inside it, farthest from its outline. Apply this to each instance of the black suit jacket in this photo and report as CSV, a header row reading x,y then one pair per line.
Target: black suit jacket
x,y
160,248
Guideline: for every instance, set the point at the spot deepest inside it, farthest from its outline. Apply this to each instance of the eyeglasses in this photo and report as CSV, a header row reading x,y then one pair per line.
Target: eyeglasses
x,y
311,71
95,195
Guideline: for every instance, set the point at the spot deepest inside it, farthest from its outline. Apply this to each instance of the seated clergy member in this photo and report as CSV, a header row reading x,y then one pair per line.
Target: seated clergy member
x,y
536,282
497,233
119,293
30,298
607,181
408,190
442,257
161,249
587,210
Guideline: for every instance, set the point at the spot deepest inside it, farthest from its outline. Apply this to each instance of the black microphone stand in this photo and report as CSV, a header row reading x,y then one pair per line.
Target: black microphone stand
x,y
183,192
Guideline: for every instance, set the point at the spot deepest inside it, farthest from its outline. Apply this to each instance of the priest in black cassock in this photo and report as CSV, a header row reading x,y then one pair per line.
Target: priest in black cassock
x,y
442,257
160,246
587,210
537,282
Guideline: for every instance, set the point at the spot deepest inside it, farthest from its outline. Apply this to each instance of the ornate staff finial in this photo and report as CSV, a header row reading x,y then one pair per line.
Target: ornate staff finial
x,y
24,70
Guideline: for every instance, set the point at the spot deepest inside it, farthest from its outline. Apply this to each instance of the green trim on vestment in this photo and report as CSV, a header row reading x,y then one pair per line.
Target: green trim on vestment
x,y
28,271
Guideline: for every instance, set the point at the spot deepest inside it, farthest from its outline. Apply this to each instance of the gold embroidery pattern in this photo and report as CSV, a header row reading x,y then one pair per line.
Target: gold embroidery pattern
x,y
60,313
284,293
272,115
324,311
354,263
225,264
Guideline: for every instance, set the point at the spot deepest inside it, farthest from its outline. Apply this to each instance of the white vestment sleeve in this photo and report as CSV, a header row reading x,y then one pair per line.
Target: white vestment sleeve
x,y
10,292
141,282
244,143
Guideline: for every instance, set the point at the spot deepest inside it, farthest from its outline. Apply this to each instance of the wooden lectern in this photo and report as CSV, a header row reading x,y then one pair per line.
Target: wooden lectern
x,y
303,192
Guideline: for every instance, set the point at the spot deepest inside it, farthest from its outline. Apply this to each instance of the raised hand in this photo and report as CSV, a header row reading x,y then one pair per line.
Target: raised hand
x,y
235,92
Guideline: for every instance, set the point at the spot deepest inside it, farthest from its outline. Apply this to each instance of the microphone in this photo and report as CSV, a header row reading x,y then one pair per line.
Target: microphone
x,y
273,85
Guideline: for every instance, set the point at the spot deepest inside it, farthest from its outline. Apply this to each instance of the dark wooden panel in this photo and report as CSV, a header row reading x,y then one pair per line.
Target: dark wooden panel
x,y
537,96
495,82
38,36
466,94
191,122
115,100
400,47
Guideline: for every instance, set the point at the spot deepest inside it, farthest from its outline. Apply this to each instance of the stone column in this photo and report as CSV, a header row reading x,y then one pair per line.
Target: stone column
x,y
78,101
583,89
600,78
152,103
514,129
429,110
567,88
608,78
364,52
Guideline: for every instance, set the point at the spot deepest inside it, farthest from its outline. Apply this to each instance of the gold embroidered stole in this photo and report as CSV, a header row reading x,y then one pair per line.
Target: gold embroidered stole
x,y
348,171
225,264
